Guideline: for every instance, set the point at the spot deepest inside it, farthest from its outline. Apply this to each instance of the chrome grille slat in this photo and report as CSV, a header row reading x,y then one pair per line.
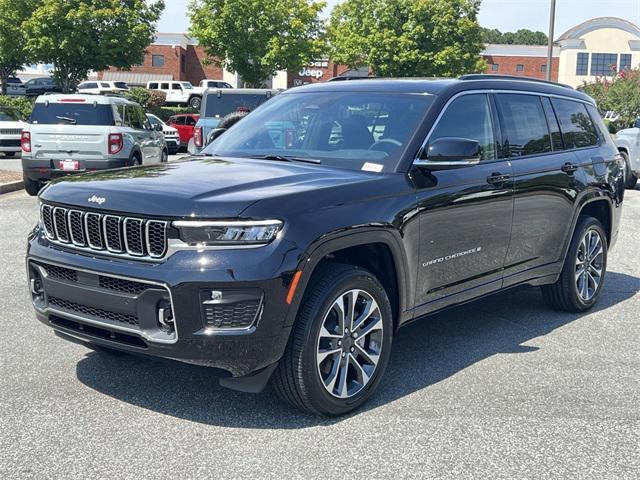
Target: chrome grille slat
x,y
112,234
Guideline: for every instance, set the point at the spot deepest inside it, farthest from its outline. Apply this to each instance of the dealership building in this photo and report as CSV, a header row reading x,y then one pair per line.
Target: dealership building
x,y
597,47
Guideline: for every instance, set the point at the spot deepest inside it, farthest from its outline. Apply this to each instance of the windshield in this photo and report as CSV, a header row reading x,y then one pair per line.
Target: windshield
x,y
122,85
153,120
71,114
9,115
359,131
186,85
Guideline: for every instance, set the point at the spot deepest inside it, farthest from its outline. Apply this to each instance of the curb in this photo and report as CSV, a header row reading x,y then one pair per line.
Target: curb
x,y
11,187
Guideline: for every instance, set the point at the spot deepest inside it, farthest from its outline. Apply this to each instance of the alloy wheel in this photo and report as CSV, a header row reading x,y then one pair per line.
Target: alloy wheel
x,y
589,264
349,343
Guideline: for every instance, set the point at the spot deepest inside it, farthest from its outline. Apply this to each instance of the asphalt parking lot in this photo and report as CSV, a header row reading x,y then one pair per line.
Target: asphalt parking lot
x,y
501,388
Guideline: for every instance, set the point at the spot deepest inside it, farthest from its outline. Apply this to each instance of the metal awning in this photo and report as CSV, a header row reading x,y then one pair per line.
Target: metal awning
x,y
134,78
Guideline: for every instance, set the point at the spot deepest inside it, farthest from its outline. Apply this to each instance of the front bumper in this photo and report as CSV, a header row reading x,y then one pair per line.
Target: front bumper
x,y
75,308
173,144
47,169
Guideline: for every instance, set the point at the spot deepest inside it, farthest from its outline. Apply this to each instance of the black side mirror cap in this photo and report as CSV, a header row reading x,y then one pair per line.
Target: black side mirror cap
x,y
450,152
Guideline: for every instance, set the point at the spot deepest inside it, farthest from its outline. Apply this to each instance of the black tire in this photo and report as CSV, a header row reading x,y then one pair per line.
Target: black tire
x,y
630,180
297,380
195,102
32,187
9,154
164,158
136,160
563,295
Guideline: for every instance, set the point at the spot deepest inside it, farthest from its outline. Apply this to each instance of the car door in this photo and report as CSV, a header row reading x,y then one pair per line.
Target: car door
x,y
465,213
189,127
547,179
178,123
143,137
166,88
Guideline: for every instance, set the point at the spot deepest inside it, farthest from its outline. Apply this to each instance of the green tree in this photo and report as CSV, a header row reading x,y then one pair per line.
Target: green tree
x,y
619,94
78,36
406,38
256,38
12,43
521,37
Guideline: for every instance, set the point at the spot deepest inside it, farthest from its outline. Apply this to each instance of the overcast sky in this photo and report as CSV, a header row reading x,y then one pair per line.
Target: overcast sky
x,y
506,15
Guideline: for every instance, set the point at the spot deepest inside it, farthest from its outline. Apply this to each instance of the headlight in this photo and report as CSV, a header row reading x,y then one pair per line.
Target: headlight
x,y
205,233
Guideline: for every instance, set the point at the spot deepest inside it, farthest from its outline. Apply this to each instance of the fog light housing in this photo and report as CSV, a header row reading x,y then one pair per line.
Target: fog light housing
x,y
231,309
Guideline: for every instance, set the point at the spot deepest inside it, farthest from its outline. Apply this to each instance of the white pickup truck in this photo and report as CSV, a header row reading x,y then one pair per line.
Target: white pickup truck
x,y
178,93
628,143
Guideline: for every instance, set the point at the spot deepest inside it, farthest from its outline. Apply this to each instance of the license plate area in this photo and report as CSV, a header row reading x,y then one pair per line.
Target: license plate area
x,y
69,165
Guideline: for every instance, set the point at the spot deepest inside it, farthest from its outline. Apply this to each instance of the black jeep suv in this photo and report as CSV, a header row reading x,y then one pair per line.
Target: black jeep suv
x,y
294,248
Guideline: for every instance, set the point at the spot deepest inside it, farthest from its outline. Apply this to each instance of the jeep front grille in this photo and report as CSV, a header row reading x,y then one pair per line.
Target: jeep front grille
x,y
112,234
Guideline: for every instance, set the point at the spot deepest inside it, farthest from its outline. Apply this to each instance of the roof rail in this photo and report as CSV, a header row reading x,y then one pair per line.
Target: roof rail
x,y
342,78
487,76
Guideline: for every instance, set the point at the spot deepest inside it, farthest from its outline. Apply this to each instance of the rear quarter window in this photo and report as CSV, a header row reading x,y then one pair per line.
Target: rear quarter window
x,y
577,128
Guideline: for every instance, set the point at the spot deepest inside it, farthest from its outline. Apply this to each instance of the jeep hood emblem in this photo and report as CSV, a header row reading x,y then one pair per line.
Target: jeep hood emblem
x,y
98,200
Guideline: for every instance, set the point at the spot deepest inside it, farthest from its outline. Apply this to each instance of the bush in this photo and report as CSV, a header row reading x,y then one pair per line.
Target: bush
x,y
23,105
165,112
147,99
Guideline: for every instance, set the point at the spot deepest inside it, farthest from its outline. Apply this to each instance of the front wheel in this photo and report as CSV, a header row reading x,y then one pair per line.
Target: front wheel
x,y
630,180
340,344
580,283
164,157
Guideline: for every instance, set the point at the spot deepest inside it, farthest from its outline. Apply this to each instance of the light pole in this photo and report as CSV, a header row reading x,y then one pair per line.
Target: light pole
x,y
552,24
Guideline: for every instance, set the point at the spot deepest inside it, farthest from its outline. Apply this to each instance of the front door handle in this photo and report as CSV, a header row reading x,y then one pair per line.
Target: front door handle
x,y
569,168
498,178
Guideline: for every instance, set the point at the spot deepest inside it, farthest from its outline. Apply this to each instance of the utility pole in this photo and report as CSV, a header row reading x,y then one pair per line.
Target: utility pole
x,y
552,25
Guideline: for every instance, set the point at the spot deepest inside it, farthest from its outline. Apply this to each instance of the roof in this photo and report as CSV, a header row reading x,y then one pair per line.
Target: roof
x,y
597,24
519,50
134,78
443,87
81,98
179,39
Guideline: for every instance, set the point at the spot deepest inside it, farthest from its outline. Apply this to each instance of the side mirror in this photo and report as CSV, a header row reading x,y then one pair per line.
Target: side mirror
x,y
215,133
450,152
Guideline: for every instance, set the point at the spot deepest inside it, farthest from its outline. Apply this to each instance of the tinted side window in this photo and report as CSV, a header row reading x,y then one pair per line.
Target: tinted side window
x,y
577,129
153,86
164,86
134,118
189,121
554,127
178,121
605,136
469,117
524,125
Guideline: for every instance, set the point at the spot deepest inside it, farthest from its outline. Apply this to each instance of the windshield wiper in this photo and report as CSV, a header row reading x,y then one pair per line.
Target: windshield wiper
x,y
72,121
283,158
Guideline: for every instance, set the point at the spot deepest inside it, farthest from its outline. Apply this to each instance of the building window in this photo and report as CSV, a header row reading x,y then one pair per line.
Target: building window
x,y
625,61
157,60
494,67
604,63
582,67
520,67
183,63
543,68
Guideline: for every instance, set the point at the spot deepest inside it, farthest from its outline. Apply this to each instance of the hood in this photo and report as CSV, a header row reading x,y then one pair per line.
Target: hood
x,y
203,187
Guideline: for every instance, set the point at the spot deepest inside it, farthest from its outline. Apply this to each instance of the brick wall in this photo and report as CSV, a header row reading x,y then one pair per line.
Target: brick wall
x,y
192,69
532,66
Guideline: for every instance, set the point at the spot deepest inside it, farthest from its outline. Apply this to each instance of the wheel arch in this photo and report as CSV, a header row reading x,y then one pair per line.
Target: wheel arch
x,y
379,251
596,204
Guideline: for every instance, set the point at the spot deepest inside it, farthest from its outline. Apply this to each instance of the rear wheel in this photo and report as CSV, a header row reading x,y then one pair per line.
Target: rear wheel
x,y
195,102
32,187
340,345
582,277
136,160
630,179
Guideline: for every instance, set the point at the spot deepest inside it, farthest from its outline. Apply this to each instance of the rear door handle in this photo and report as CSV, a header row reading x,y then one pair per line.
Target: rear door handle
x,y
569,168
497,178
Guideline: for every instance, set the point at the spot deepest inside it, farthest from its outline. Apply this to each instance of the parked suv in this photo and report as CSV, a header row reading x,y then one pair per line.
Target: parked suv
x,y
69,134
184,123
179,93
171,136
40,86
628,143
297,261
102,87
219,103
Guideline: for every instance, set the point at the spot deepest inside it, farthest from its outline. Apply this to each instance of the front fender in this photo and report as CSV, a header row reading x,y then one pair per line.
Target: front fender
x,y
366,235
